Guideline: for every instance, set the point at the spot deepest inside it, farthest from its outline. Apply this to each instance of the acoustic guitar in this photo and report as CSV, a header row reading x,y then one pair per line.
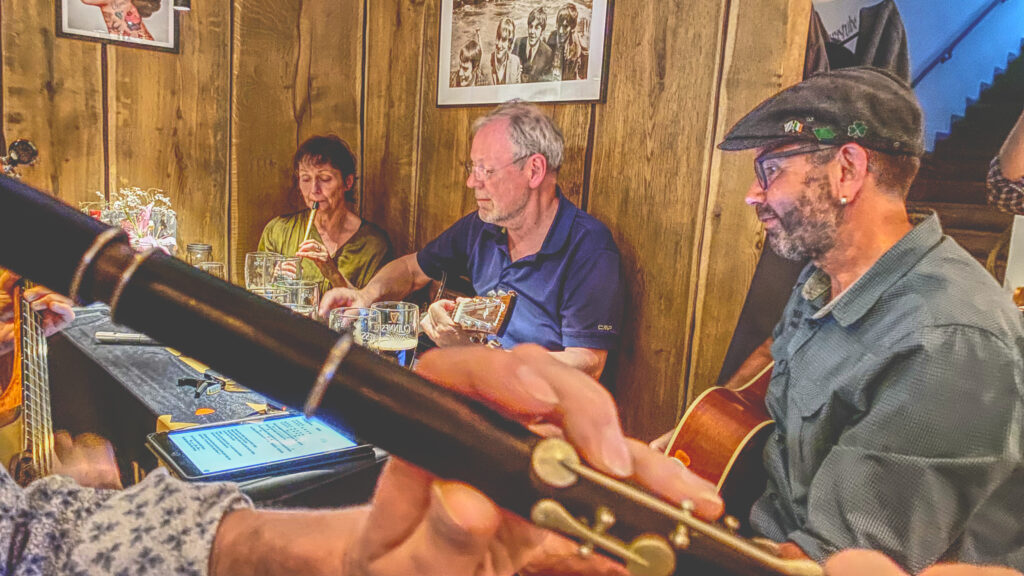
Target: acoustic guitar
x,y
721,438
26,443
485,314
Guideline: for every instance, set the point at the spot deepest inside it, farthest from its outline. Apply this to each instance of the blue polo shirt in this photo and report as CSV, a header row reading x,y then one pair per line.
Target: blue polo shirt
x,y
569,293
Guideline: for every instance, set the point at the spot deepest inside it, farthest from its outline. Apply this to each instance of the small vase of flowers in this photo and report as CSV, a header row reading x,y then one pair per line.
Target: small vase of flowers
x,y
145,215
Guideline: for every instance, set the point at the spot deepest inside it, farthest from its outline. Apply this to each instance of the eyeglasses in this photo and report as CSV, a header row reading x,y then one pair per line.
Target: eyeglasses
x,y
764,178
483,174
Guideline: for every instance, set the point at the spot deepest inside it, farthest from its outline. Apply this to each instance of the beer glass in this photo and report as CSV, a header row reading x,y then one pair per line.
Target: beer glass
x,y
287,268
399,331
213,269
259,268
363,322
303,296
279,295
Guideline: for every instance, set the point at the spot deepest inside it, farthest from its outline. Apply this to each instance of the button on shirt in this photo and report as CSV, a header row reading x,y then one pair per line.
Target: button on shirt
x,y
899,409
569,292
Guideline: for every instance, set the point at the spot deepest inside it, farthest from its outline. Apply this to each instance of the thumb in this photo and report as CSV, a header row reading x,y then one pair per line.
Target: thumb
x,y
456,532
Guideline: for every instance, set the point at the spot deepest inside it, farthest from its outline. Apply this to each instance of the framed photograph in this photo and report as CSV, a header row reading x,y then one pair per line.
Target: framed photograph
x,y
149,24
537,50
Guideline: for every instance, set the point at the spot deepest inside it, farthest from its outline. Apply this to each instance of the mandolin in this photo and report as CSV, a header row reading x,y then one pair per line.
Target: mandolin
x,y
26,443
721,438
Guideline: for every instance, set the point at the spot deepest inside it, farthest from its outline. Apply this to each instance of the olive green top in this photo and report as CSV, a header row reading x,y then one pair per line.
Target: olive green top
x,y
366,252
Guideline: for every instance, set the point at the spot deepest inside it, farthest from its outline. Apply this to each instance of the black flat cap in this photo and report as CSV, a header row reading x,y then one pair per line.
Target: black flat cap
x,y
870,106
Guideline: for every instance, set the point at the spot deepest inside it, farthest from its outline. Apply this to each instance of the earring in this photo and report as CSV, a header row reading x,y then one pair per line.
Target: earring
x,y
843,201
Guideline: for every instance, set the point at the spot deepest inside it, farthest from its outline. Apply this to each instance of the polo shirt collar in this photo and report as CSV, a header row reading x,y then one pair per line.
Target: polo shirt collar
x,y
856,300
558,233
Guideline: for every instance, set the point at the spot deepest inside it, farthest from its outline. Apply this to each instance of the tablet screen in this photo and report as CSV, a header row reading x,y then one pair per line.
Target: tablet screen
x,y
242,445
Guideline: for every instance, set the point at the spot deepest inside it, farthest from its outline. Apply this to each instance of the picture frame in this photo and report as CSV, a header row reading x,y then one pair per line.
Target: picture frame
x,y
150,24
492,51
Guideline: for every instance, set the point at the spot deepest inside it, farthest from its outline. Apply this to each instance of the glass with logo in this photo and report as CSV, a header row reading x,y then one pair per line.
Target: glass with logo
x,y
399,331
363,322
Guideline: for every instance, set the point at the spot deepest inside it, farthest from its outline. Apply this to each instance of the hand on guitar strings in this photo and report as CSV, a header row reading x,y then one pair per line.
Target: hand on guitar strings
x,y
861,562
88,460
437,323
56,309
420,524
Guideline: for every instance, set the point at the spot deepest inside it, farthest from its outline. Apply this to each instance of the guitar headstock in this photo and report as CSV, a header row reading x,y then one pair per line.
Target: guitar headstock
x,y
485,314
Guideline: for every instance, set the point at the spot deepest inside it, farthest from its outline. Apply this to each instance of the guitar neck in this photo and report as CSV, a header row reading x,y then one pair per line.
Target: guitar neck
x,y
37,422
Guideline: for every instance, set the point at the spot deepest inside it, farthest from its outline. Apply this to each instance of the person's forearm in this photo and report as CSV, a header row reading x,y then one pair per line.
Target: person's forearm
x,y
1011,155
588,360
268,543
752,366
397,279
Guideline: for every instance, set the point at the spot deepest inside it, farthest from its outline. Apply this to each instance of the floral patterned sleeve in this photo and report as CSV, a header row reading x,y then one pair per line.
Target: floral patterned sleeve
x,y
1003,193
159,526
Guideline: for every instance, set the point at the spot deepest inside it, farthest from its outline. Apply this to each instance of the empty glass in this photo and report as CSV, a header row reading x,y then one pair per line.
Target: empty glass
x,y
287,268
259,269
303,296
399,331
279,295
363,322
213,269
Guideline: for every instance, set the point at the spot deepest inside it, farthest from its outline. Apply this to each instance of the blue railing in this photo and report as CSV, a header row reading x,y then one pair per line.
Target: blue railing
x,y
947,52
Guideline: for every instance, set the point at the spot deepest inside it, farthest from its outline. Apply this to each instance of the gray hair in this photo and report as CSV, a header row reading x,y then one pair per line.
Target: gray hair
x,y
529,130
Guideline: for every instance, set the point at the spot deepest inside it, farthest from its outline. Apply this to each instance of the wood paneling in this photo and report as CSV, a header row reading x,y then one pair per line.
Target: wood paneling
x,y
169,123
651,152
757,66
53,96
394,35
297,71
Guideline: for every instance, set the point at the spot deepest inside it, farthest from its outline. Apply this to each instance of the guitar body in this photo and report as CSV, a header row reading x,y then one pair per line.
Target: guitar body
x,y
721,438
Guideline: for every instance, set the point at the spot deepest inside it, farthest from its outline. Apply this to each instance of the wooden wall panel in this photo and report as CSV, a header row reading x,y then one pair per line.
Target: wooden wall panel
x,y
756,66
394,35
651,149
53,96
297,71
169,123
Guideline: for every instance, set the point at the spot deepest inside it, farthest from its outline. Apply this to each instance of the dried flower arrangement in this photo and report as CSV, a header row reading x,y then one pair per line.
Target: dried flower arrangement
x,y
145,215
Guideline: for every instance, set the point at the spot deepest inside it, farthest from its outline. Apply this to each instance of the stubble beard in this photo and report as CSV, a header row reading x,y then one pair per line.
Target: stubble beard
x,y
810,229
504,218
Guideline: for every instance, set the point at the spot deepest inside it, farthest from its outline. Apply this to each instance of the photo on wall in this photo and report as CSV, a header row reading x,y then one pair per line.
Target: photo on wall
x,y
151,24
492,51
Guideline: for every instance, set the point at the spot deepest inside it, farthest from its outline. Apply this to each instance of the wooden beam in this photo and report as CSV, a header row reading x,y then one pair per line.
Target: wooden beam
x,y
757,65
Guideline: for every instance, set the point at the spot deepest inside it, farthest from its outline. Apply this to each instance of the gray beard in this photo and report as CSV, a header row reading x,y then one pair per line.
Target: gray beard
x,y
810,229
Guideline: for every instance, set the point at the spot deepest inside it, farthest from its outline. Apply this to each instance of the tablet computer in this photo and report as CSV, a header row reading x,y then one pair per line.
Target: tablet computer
x,y
253,447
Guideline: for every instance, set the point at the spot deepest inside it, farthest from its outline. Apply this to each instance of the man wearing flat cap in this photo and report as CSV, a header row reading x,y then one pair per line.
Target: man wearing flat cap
x,y
898,375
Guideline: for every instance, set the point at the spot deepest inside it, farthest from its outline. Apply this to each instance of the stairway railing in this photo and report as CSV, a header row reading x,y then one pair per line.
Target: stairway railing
x,y
947,52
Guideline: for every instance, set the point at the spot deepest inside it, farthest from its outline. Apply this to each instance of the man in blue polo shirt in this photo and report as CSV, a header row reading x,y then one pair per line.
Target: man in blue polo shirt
x,y
525,236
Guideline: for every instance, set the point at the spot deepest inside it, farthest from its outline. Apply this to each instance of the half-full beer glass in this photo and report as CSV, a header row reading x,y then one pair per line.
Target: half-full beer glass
x,y
399,331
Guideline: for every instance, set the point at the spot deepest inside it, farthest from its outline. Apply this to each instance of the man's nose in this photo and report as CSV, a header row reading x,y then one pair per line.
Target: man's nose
x,y
755,194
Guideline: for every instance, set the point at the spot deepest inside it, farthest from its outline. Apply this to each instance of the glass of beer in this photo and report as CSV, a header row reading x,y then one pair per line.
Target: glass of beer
x,y
363,322
399,331
259,268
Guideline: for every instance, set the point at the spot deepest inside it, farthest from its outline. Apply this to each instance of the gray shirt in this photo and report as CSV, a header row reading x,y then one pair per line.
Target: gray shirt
x,y
159,526
898,408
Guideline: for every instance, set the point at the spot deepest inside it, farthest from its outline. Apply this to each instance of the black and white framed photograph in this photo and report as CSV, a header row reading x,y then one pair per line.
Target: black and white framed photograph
x,y
149,24
537,50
